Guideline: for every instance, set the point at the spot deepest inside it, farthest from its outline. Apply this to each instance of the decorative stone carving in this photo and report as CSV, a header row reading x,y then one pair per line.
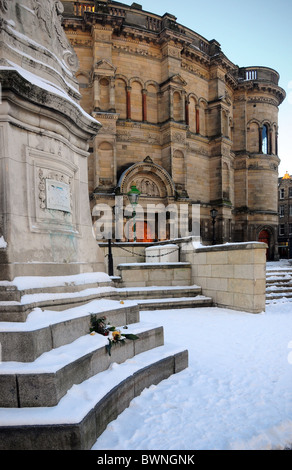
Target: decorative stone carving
x,y
44,177
147,187
4,5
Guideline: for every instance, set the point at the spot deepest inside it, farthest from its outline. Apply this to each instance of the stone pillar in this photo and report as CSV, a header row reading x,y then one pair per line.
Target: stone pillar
x,y
187,115
96,88
112,95
144,104
197,120
129,114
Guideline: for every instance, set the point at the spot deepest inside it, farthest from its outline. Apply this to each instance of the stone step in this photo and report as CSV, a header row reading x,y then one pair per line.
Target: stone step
x,y
45,381
279,282
279,295
85,411
47,329
157,292
279,287
20,297
279,272
175,303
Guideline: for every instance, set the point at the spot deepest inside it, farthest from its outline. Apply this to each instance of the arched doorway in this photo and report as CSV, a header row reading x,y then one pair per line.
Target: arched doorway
x,y
264,237
156,199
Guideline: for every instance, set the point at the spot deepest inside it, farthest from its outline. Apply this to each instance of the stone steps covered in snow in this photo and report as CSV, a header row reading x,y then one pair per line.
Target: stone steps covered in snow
x,y
20,297
46,380
278,283
47,329
59,387
176,303
166,297
85,411
63,297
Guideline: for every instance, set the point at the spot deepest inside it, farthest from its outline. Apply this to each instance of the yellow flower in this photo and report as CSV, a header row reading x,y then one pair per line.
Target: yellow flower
x,y
116,335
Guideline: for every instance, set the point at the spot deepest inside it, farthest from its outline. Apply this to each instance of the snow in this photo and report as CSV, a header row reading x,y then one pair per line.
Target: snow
x,y
39,318
3,243
235,394
47,86
32,282
58,358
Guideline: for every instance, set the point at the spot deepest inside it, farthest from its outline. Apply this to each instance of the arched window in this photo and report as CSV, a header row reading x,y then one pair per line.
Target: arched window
x,y
265,139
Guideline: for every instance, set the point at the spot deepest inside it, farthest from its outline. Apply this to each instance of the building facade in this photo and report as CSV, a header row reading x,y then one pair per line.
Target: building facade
x,y
285,216
179,120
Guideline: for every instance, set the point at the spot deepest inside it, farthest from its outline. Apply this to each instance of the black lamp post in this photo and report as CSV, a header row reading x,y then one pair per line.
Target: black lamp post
x,y
133,197
214,214
110,259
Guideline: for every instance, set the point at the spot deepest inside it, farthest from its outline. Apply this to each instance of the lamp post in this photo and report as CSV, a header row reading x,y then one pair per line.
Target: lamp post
x,y
133,197
214,214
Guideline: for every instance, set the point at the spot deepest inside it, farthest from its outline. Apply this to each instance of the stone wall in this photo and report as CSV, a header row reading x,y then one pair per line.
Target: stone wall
x,y
234,275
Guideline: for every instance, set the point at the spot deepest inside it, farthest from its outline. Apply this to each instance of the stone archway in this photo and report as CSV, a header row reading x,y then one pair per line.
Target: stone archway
x,y
151,179
266,235
156,187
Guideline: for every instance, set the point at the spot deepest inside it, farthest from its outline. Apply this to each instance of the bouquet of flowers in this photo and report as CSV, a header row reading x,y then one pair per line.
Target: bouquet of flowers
x,y
99,325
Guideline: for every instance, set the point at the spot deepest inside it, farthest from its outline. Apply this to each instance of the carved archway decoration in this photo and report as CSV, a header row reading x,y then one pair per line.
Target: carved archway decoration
x,y
151,179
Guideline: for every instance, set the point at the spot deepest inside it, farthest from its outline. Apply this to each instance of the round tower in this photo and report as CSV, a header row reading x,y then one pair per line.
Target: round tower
x,y
257,99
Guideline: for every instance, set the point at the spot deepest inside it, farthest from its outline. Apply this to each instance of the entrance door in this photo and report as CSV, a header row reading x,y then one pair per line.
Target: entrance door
x,y
264,237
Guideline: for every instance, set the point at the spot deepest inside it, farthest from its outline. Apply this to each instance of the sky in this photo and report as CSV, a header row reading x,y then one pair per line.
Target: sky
x,y
251,33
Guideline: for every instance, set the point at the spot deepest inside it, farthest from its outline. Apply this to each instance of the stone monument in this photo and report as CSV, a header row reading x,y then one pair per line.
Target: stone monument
x,y
45,220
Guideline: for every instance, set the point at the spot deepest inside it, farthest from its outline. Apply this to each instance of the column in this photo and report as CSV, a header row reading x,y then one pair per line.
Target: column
x,y
144,104
128,102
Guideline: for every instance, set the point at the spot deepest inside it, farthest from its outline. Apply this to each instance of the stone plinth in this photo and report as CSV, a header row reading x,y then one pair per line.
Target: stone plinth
x,y
45,218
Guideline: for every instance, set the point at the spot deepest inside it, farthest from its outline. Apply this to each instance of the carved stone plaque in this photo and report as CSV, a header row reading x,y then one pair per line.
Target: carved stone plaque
x,y
58,196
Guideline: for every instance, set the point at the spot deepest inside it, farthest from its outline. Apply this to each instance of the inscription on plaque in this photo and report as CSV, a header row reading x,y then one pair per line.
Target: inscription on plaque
x,y
58,196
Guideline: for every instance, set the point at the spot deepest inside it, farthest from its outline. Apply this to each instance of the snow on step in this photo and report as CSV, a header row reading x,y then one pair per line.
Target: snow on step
x,y
82,398
58,358
39,318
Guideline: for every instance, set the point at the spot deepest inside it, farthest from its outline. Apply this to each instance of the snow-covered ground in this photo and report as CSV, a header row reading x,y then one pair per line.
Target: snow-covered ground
x,y
236,393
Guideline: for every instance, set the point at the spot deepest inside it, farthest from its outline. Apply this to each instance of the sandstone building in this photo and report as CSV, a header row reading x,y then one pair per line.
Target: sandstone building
x,y
179,120
285,216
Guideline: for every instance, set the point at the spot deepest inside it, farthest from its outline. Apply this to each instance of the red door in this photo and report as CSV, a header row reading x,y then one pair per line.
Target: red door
x,y
264,237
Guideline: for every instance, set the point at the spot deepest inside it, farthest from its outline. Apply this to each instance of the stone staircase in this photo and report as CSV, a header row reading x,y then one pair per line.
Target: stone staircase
x,y
279,283
59,387
157,286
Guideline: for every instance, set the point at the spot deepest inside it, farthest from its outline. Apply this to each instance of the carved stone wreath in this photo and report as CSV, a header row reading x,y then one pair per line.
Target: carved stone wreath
x,y
4,5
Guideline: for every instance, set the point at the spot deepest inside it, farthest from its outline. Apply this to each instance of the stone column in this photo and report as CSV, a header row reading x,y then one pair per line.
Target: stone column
x,y
144,104
129,114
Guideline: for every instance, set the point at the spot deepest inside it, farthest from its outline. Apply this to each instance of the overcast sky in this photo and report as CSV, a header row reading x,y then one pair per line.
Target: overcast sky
x,y
251,33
